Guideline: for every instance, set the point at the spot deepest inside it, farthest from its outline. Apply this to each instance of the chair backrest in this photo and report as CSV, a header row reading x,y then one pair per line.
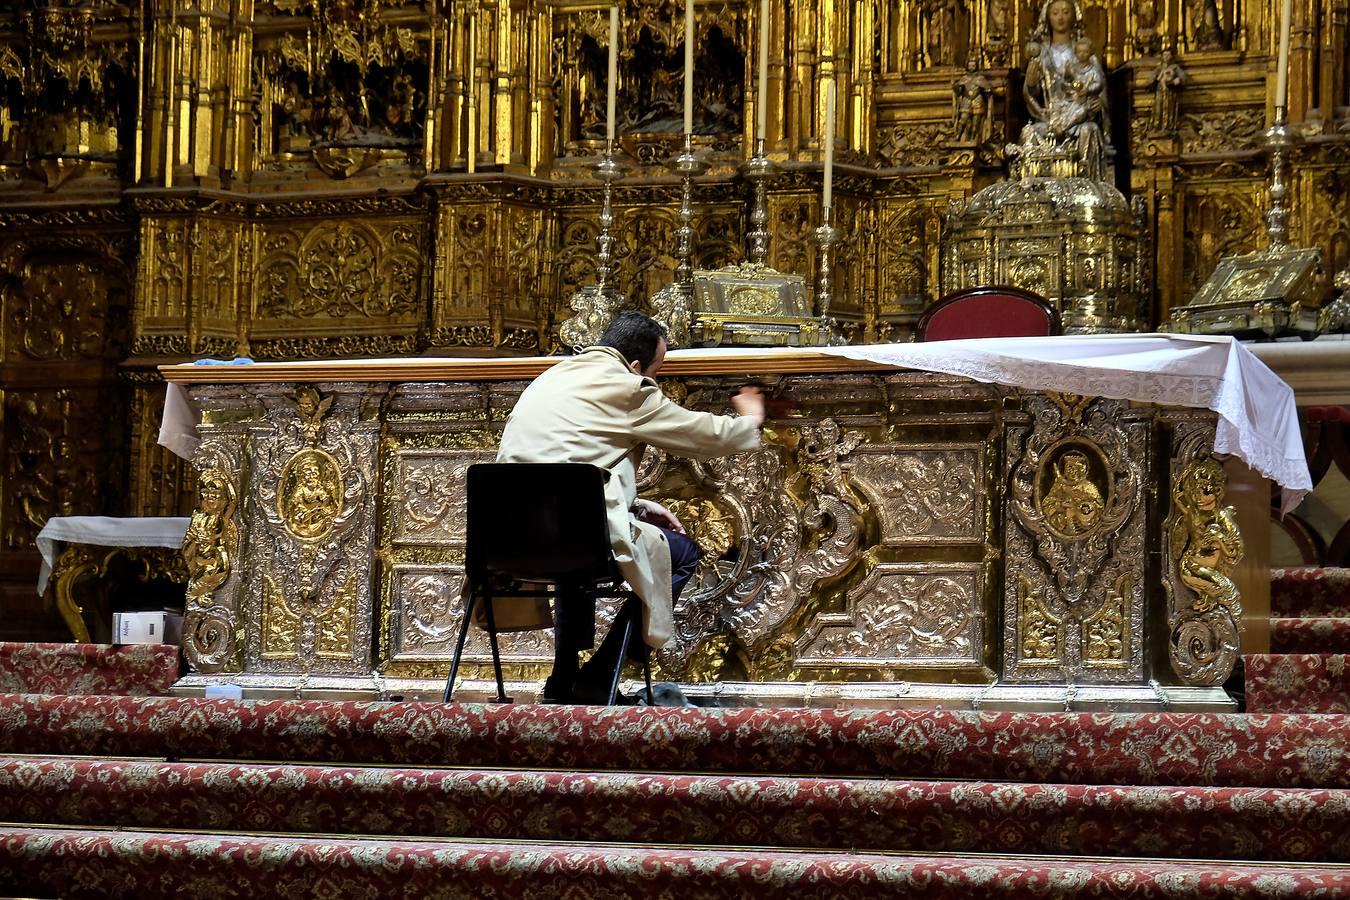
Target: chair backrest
x,y
537,522
988,312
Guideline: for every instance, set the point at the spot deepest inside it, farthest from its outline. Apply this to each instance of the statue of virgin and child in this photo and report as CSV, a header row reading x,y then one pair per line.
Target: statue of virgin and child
x,y
1065,91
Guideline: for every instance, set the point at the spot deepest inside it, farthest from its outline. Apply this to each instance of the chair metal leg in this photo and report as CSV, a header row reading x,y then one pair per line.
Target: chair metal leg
x,y
626,613
459,647
647,671
496,656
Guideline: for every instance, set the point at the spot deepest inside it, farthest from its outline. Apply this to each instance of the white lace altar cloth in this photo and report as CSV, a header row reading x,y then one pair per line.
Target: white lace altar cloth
x,y
106,531
1258,421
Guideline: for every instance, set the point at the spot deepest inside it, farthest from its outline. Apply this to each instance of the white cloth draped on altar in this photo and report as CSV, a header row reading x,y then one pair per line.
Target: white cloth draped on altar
x,y
1258,420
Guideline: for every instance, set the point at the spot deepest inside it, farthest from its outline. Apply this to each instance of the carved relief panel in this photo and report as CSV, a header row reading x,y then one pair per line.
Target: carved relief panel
x,y
1074,565
435,433
338,286
214,546
904,615
1203,546
483,296
312,531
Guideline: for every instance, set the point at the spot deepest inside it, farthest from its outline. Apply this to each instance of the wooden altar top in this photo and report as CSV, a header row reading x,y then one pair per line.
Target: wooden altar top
x,y
779,361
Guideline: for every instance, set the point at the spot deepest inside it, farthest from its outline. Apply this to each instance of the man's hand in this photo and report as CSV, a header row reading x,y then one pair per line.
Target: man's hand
x,y
749,403
654,513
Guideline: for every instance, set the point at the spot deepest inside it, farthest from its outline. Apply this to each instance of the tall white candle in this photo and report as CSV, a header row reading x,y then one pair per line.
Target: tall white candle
x,y
688,66
1282,68
829,145
761,91
613,68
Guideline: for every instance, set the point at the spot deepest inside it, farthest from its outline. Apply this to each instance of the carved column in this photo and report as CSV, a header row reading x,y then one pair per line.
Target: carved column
x,y
311,529
1074,552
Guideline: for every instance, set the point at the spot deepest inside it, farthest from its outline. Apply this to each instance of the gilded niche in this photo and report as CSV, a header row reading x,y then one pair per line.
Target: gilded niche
x,y
212,541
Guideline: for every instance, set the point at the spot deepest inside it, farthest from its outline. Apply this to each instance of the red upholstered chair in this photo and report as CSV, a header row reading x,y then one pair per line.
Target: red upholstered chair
x,y
987,312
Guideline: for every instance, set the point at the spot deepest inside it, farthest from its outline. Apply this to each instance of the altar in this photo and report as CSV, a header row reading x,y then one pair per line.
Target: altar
x,y
930,525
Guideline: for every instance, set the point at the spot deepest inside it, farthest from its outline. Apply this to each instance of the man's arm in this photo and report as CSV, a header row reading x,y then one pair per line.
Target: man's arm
x,y
661,422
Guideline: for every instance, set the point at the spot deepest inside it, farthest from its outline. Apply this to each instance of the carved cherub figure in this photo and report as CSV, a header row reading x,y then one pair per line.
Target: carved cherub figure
x,y
818,458
1205,539
212,538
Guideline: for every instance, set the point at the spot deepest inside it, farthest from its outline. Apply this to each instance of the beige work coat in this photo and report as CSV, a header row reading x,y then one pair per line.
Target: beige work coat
x,y
591,408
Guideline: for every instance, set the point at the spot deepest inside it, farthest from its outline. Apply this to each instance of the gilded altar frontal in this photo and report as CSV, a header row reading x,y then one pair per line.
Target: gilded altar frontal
x,y
345,178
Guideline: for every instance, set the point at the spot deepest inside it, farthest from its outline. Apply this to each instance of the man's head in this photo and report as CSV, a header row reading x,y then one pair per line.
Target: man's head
x,y
641,339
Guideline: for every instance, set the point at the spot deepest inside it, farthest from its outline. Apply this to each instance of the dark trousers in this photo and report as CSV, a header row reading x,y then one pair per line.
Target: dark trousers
x,y
574,624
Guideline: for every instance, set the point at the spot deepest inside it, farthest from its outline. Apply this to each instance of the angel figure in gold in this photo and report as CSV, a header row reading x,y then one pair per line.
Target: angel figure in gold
x,y
212,538
818,458
1205,539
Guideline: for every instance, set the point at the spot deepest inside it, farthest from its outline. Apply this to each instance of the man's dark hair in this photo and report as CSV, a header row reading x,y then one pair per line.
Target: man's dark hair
x,y
635,336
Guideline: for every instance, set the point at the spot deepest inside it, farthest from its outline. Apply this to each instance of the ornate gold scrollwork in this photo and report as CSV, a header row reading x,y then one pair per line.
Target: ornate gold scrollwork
x,y
1041,632
1106,633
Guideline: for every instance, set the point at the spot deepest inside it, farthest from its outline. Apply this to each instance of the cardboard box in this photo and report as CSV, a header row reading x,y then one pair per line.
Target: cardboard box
x,y
147,628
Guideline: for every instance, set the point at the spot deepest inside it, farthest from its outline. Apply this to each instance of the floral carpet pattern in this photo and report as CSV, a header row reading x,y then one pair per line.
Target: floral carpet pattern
x,y
1310,635
1310,592
132,669
1298,683
145,866
1225,750
813,813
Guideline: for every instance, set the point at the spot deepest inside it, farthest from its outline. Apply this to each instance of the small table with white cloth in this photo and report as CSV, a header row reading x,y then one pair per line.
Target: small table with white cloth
x,y
91,543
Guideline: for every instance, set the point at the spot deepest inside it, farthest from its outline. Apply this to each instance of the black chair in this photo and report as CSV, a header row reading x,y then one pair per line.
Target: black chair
x,y
541,530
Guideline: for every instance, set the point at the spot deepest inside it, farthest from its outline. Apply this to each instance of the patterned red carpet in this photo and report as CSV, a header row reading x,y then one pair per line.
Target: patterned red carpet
x,y
942,817
134,669
1224,750
81,864
1306,670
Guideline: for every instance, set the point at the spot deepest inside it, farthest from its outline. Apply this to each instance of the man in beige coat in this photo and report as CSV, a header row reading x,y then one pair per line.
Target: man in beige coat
x,y
603,407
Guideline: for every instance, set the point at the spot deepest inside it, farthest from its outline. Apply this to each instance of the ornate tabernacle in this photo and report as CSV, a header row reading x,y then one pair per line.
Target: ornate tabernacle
x,y
902,538
1060,227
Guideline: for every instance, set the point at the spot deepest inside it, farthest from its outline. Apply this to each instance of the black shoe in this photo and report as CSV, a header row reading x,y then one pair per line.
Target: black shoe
x,y
590,694
556,692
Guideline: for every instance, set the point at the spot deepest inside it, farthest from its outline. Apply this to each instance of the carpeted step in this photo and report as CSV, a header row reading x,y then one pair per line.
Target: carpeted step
x,y
1309,636
1310,592
146,866
1226,750
933,817
1298,682
136,670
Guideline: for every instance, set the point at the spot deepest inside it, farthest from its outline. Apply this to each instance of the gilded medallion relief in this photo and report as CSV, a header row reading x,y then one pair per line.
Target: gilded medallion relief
x,y
1074,568
1204,545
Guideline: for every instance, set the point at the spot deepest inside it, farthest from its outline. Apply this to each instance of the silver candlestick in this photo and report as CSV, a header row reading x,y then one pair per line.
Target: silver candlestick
x,y
688,166
672,306
826,236
595,305
1280,138
608,170
759,169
